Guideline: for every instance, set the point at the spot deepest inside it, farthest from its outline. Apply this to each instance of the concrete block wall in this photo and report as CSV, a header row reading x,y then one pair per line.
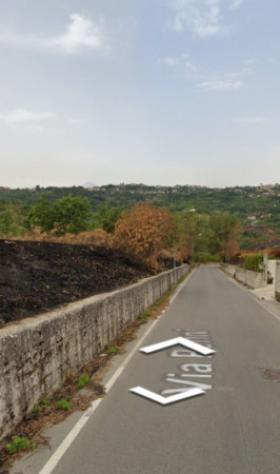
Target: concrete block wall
x,y
271,267
37,354
229,269
251,279
277,281
247,277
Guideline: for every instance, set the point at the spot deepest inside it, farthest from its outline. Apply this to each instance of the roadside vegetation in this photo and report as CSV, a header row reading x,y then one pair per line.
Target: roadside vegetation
x,y
76,394
256,207
253,262
58,251
155,236
61,257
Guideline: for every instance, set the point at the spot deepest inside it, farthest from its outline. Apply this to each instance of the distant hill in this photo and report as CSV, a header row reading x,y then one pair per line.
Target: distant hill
x,y
258,207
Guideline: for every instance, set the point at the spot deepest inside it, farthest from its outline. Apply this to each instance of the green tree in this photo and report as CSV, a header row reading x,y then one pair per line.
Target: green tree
x,y
9,225
194,232
71,214
226,229
42,215
6,222
106,217
68,214
11,221
203,235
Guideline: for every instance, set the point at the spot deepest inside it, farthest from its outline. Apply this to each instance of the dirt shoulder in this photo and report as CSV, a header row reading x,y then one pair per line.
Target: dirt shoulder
x,y
38,276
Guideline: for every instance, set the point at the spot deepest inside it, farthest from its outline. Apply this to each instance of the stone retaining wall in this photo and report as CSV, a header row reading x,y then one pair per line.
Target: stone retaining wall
x,y
37,354
247,277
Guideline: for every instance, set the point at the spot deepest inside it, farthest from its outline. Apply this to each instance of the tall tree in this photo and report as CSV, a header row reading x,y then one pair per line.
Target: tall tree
x,y
144,231
68,214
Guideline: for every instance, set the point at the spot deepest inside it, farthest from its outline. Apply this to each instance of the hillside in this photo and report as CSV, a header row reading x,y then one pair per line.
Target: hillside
x,y
37,276
257,207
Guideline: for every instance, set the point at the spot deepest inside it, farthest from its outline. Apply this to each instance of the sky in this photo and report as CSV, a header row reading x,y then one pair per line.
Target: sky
x,y
139,91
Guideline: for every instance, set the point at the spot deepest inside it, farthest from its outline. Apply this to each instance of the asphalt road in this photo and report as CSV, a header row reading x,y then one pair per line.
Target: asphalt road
x,y
232,429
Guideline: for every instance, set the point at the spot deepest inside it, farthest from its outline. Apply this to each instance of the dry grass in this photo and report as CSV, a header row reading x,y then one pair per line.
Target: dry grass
x,y
95,238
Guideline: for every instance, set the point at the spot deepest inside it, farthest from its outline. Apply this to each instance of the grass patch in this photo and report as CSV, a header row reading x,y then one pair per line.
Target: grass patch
x,y
112,350
84,380
63,404
41,406
18,444
45,402
143,318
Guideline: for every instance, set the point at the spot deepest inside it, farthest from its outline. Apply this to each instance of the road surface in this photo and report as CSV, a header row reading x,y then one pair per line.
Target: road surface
x,y
232,429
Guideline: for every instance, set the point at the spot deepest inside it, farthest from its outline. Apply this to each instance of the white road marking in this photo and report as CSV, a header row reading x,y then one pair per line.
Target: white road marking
x,y
72,435
143,392
178,341
187,383
186,353
204,376
180,287
196,371
198,368
66,443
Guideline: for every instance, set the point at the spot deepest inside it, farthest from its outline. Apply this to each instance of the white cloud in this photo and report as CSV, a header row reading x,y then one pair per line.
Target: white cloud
x,y
227,82
23,116
251,119
234,4
81,33
170,61
182,60
221,81
202,18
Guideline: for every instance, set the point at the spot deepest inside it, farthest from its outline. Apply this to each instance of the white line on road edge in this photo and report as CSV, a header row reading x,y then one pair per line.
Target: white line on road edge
x,y
178,341
181,286
72,435
155,397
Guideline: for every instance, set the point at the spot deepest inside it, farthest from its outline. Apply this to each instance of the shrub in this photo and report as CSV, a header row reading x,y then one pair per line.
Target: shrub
x,y
41,406
143,232
84,380
206,258
18,444
253,262
63,405
113,350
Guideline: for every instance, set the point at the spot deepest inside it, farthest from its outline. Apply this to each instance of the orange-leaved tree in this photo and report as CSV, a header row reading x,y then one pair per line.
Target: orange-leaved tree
x,y
144,231
231,249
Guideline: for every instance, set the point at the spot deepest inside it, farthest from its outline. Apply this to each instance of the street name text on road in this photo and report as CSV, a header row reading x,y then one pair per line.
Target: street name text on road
x,y
180,394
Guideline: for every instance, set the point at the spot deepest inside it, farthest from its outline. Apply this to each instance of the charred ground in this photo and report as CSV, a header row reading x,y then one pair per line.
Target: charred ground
x,y
38,276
